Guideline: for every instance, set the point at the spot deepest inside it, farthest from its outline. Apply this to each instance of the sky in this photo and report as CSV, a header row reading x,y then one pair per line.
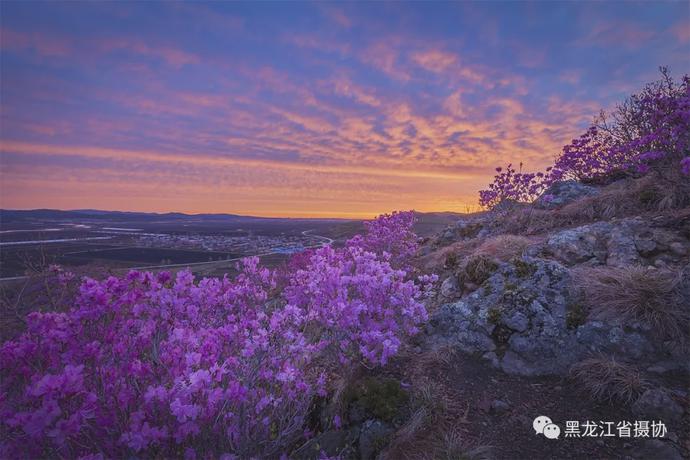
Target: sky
x,y
317,109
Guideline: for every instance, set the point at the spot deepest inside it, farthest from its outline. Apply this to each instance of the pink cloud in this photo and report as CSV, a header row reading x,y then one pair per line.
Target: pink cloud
x,y
628,34
39,43
434,60
682,31
345,87
172,56
318,43
336,15
385,57
570,76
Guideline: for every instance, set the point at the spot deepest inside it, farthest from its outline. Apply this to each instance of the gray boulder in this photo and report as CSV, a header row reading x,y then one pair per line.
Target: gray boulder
x,y
617,243
621,247
520,320
562,193
450,287
586,243
658,405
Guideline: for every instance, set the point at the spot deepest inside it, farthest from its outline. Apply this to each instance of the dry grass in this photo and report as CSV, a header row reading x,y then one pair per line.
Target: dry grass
x,y
620,199
450,445
633,294
437,259
434,406
503,247
477,268
435,412
608,380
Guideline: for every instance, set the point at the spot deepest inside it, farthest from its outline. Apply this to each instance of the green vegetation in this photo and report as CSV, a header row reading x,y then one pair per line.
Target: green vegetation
x,y
479,268
524,269
576,315
382,397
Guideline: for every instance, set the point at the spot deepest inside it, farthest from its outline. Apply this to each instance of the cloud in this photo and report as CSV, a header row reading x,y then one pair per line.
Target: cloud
x,y
681,31
172,56
384,56
618,33
336,15
39,43
434,60
321,110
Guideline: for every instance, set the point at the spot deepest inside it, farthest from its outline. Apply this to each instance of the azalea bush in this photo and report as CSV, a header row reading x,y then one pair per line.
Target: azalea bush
x,y
510,184
358,303
159,366
390,234
648,133
148,363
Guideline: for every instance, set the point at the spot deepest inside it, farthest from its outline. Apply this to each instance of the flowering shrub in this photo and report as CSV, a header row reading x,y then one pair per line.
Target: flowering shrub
x,y
148,365
587,157
145,363
648,132
389,233
357,303
512,185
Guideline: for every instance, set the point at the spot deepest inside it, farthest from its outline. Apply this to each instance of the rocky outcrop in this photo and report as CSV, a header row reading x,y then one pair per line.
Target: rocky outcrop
x,y
562,193
524,320
617,243
584,244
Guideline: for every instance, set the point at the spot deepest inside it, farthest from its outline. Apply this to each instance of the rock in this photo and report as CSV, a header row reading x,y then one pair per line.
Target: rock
x,y
450,287
499,407
657,404
678,248
374,435
334,443
564,192
645,243
492,358
580,244
517,321
424,251
356,414
621,248
664,367
617,243
655,448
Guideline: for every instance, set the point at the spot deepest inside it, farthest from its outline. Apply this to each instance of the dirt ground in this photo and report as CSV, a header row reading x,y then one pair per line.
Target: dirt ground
x,y
473,384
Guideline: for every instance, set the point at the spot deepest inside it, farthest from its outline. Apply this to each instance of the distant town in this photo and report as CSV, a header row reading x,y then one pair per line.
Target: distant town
x,y
31,239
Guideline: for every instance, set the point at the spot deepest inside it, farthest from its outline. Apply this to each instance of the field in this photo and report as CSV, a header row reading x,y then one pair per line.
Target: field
x,y
150,256
32,240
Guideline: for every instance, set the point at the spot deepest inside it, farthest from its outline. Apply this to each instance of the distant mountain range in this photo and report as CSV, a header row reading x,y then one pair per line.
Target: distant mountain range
x,y
11,215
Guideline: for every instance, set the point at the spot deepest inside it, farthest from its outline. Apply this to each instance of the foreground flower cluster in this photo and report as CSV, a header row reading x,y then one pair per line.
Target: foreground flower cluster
x,y
649,132
155,365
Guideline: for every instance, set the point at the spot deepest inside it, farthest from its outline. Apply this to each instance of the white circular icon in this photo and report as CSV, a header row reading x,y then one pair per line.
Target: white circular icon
x,y
540,422
552,431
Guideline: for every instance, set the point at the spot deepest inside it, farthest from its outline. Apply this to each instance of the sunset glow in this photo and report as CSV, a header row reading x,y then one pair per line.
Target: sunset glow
x,y
307,110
